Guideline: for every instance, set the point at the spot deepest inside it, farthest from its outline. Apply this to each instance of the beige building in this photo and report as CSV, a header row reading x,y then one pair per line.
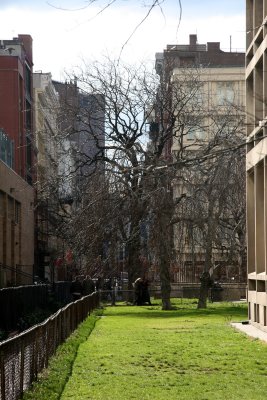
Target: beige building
x,y
256,94
16,229
216,105
46,109
216,80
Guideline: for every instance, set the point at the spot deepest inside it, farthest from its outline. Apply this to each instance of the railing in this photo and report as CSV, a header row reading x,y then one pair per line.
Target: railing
x,y
225,292
18,274
25,355
16,302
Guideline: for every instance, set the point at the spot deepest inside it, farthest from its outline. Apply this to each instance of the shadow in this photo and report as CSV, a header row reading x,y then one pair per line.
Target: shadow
x,y
182,310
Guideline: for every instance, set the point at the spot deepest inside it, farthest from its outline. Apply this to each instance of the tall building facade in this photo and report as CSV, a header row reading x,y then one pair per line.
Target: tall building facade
x,y
16,112
219,89
17,158
256,160
46,110
82,120
81,123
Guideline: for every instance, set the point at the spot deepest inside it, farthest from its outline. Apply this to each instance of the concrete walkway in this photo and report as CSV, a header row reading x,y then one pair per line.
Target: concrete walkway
x,y
250,330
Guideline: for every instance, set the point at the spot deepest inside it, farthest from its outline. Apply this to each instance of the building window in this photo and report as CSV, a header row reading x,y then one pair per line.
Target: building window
x,y
6,149
28,115
225,93
196,133
28,80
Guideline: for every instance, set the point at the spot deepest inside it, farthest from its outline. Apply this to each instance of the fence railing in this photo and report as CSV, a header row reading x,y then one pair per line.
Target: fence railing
x,y
25,355
224,292
17,301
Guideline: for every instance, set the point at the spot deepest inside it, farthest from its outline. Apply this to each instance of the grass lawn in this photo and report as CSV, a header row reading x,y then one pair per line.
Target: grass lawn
x,y
145,353
51,382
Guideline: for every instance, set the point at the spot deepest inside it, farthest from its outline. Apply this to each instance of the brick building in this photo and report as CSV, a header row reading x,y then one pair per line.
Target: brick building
x,y
17,159
16,102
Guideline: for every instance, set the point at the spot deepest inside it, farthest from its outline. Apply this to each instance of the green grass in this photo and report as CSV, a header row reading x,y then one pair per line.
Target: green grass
x,y
184,354
51,382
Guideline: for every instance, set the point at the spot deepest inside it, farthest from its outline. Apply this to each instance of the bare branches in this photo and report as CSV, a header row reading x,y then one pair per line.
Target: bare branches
x,y
90,2
145,160
106,4
151,7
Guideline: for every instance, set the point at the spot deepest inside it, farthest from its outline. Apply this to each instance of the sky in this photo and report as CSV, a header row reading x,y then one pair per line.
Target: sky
x,y
67,33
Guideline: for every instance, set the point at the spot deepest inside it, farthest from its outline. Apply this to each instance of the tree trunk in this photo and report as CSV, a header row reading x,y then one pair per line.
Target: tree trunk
x,y
164,264
205,279
165,286
134,264
204,290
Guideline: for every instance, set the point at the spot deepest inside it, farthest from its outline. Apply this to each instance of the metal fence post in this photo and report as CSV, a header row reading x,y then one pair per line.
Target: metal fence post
x,y
21,366
2,371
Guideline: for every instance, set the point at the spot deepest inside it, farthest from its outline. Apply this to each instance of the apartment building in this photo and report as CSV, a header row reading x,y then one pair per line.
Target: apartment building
x,y
82,121
256,160
17,158
219,90
46,110
16,113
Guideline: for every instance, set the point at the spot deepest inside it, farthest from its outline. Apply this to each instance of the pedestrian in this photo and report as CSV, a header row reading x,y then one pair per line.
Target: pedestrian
x,y
138,291
99,283
145,292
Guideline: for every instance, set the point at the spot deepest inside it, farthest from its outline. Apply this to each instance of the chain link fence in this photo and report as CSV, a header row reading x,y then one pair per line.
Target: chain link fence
x,y
25,355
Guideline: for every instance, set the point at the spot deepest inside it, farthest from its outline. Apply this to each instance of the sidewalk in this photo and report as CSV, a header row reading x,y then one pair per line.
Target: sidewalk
x,y
250,330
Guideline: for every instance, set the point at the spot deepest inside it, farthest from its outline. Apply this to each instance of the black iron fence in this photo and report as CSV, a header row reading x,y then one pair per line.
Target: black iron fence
x,y
219,292
15,302
25,355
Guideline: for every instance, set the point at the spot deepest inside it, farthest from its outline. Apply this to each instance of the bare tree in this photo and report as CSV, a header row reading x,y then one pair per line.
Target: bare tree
x,y
212,217
126,182
134,154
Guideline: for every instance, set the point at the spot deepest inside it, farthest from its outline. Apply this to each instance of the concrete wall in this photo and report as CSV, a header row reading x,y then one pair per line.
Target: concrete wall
x,y
256,165
229,292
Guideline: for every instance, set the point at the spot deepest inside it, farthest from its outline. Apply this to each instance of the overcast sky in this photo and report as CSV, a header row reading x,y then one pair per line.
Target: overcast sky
x,y
65,32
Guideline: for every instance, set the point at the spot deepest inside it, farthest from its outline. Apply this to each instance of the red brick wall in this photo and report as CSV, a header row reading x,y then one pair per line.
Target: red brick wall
x,y
11,117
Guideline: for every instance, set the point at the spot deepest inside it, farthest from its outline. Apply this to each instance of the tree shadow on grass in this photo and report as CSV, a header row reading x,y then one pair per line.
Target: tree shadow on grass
x,y
235,311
